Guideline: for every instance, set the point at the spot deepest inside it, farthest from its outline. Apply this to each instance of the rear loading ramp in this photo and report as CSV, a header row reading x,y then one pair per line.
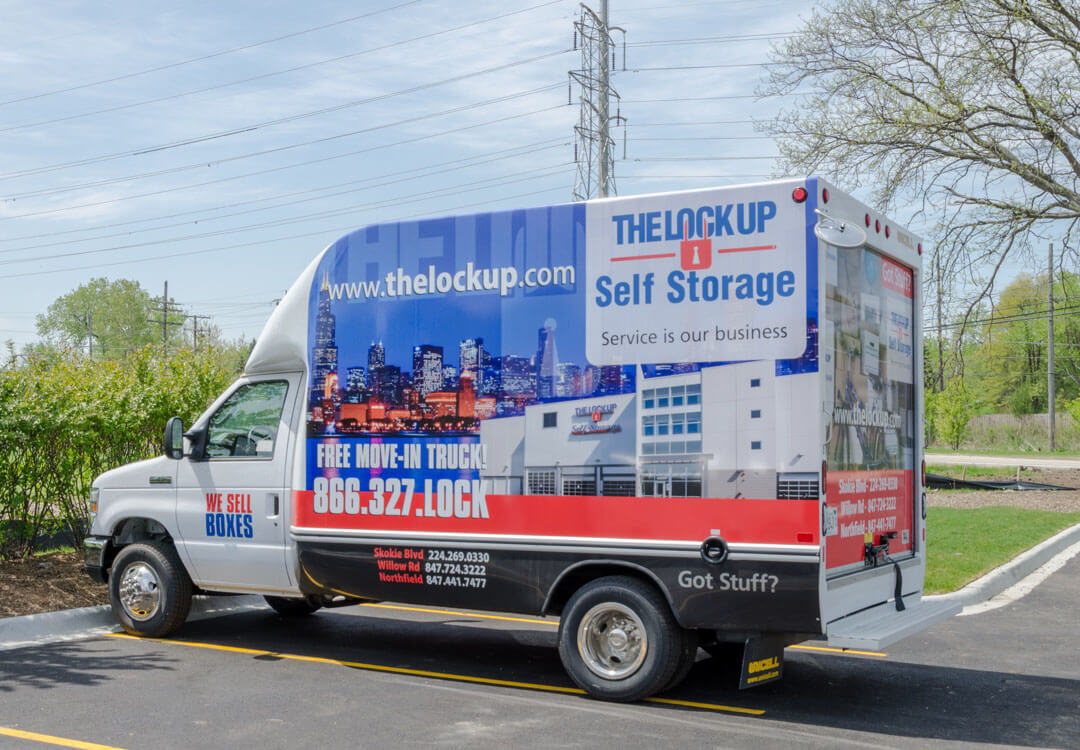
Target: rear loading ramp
x,y
881,626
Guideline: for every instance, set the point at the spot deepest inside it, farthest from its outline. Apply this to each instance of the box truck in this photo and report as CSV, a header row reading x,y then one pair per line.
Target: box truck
x,y
674,420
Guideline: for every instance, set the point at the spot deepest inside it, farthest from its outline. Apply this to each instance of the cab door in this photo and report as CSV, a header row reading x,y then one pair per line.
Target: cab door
x,y
230,500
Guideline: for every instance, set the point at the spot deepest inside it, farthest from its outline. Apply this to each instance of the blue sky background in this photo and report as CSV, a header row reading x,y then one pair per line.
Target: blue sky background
x,y
220,146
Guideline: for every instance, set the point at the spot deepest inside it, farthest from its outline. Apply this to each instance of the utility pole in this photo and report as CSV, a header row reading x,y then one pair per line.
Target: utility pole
x,y
90,334
1050,343
940,330
592,149
195,328
167,308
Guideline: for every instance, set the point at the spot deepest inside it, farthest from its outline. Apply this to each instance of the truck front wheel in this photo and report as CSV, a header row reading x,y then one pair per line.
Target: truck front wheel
x,y
619,641
149,589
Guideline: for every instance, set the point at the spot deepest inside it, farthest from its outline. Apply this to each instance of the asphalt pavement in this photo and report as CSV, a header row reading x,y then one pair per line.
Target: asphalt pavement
x,y
389,676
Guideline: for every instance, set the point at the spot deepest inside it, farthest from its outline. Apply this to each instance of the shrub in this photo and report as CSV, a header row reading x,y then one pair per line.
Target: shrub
x,y
65,419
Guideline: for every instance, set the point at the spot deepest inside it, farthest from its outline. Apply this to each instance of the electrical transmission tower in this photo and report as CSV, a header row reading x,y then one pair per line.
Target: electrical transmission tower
x,y
593,145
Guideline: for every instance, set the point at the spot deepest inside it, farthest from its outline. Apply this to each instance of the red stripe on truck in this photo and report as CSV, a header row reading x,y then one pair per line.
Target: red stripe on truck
x,y
738,521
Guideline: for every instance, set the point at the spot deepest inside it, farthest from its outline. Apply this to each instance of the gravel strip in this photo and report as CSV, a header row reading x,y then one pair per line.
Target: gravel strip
x,y
1064,501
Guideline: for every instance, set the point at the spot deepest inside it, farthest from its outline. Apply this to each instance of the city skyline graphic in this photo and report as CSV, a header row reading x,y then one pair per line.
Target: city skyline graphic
x,y
440,364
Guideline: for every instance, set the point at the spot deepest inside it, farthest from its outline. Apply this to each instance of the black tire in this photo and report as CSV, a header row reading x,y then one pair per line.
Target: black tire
x,y
149,589
292,607
687,659
603,616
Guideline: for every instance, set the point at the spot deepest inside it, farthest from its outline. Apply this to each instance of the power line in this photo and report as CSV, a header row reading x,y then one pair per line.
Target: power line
x,y
210,56
502,180
284,71
704,67
305,163
280,120
288,147
367,184
712,39
264,242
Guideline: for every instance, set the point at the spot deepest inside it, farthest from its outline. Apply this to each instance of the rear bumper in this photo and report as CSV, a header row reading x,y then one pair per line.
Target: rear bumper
x,y
881,626
94,550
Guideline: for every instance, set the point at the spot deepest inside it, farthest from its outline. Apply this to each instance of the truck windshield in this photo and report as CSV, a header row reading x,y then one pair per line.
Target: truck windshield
x,y
246,424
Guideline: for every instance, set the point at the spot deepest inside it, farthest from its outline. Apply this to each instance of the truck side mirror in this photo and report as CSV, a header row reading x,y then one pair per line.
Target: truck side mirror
x,y
197,438
174,438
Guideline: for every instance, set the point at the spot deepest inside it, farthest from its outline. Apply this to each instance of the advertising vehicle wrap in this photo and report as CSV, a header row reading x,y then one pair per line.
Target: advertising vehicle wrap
x,y
548,376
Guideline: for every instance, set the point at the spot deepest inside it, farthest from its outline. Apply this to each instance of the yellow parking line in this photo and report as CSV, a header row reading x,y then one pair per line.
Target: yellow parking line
x,y
427,673
709,706
462,614
851,651
51,740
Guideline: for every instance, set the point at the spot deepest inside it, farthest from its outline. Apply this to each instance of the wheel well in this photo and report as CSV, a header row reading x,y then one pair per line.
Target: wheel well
x,y
133,530
576,576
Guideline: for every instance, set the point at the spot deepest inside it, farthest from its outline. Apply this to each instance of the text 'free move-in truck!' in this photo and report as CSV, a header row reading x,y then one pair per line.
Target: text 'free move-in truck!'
x,y
676,420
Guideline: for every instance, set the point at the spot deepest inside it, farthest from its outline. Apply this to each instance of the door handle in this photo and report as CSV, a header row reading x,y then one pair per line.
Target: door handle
x,y
274,504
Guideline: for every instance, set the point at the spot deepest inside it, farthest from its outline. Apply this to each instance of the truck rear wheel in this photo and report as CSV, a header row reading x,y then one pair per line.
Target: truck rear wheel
x,y
287,607
149,589
619,641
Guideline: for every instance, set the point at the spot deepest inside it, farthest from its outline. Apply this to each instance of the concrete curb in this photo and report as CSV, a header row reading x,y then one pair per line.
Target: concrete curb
x,y
72,624
1021,566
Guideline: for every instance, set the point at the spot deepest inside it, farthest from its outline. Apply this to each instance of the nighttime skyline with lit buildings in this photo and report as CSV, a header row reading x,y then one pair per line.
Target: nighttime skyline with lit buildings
x,y
435,394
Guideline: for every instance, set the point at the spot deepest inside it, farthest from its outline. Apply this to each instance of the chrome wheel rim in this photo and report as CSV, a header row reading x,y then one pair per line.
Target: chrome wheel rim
x,y
612,641
140,591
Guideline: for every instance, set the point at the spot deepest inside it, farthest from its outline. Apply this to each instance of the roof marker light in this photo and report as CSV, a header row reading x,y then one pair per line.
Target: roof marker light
x,y
868,221
825,195
877,226
799,194
886,230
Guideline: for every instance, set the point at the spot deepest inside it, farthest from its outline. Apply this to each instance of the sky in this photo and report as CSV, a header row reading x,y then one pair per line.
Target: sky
x,y
220,146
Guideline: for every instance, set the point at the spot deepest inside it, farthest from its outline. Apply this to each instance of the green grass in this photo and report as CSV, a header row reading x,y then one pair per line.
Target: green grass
x,y
977,472
964,451
965,543
53,550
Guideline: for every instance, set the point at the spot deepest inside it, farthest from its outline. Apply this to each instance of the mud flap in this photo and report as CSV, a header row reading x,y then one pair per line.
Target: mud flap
x,y
763,661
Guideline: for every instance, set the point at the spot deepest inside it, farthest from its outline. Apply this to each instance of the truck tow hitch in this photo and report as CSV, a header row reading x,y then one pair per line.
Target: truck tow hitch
x,y
876,554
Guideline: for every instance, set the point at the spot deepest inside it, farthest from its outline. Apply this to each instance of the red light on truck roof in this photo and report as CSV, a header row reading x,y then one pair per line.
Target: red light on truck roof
x,y
920,248
868,221
799,194
877,226
825,195
886,231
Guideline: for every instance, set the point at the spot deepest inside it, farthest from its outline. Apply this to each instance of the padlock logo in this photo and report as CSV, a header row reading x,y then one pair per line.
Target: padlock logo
x,y
694,255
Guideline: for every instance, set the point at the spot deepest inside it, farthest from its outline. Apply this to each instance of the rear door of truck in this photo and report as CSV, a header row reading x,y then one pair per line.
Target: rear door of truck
x,y
872,444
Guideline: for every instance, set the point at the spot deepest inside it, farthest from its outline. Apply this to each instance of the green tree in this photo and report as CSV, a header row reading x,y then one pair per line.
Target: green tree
x,y
955,407
1010,357
111,318
967,106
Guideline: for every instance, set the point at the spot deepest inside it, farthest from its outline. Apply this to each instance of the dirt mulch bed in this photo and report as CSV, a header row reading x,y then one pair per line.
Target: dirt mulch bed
x,y
47,583
57,581
1064,501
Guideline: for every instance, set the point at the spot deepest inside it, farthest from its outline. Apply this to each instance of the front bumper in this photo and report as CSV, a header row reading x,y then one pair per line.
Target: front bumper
x,y
95,548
